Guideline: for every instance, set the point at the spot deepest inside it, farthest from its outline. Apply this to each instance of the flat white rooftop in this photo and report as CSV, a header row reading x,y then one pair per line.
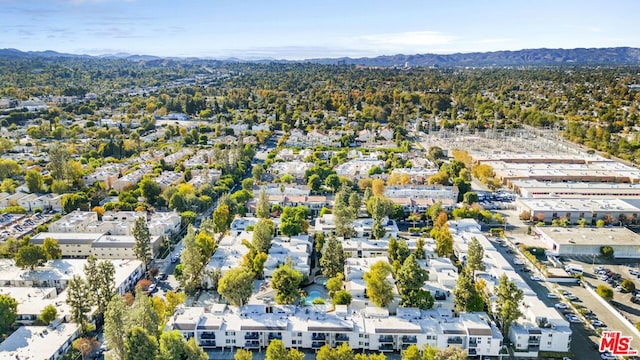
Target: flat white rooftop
x,y
36,342
590,235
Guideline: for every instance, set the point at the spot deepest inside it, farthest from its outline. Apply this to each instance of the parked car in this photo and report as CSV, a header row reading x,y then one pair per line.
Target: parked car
x,y
536,278
552,296
607,356
598,323
561,306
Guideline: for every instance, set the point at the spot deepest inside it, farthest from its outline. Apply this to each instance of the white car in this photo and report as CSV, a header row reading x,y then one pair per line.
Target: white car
x,y
518,261
561,306
552,296
536,278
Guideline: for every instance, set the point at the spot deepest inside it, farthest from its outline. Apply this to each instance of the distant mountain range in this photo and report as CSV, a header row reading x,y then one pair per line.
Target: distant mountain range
x,y
527,57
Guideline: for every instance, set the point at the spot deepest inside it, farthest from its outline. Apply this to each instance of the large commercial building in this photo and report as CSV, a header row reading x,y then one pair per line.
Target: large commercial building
x,y
588,241
573,209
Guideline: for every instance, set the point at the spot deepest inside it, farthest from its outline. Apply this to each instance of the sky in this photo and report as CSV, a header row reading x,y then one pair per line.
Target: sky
x,y
304,29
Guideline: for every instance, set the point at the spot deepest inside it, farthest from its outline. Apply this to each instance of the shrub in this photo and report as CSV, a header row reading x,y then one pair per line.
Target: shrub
x,y
606,252
605,292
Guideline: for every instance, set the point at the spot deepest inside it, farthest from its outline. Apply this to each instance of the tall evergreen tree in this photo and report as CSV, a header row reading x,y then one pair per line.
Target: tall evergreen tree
x,y
142,247
77,295
475,256
263,207
115,326
332,260
508,302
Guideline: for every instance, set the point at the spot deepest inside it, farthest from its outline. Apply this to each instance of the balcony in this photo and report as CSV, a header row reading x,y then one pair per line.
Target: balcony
x,y
386,347
207,335
252,336
473,344
275,336
208,343
385,339
252,344
533,348
317,344
409,339
454,340
320,337
534,341
342,337
472,352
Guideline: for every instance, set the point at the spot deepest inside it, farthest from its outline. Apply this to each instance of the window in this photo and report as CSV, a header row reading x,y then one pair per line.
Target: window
x,y
299,334
549,343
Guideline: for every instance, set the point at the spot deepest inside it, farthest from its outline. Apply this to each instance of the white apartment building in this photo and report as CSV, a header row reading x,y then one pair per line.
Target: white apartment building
x,y
116,222
370,329
541,328
358,168
363,227
296,248
39,342
57,273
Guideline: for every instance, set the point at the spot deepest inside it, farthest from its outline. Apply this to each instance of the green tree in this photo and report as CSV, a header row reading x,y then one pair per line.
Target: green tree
x,y
606,252
173,346
627,285
100,277
140,345
332,182
193,261
277,351
77,294
444,241
341,297
72,202
420,254
150,190
48,314
379,207
342,352
257,171
51,249
143,314
334,284
286,282
293,220
509,299
236,286
475,256
315,183
222,218
115,326
605,292
410,278
8,313
465,294
263,235
263,207
142,246
29,256
332,260
343,213
242,354
379,290
247,184
34,181
412,353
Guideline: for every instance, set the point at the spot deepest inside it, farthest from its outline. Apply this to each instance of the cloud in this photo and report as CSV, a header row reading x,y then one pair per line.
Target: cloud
x,y
418,39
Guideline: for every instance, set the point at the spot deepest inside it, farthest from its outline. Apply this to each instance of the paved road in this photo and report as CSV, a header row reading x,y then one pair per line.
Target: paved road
x,y
583,340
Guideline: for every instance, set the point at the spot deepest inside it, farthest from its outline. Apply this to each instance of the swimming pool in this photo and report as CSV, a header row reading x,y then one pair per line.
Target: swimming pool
x,y
313,294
